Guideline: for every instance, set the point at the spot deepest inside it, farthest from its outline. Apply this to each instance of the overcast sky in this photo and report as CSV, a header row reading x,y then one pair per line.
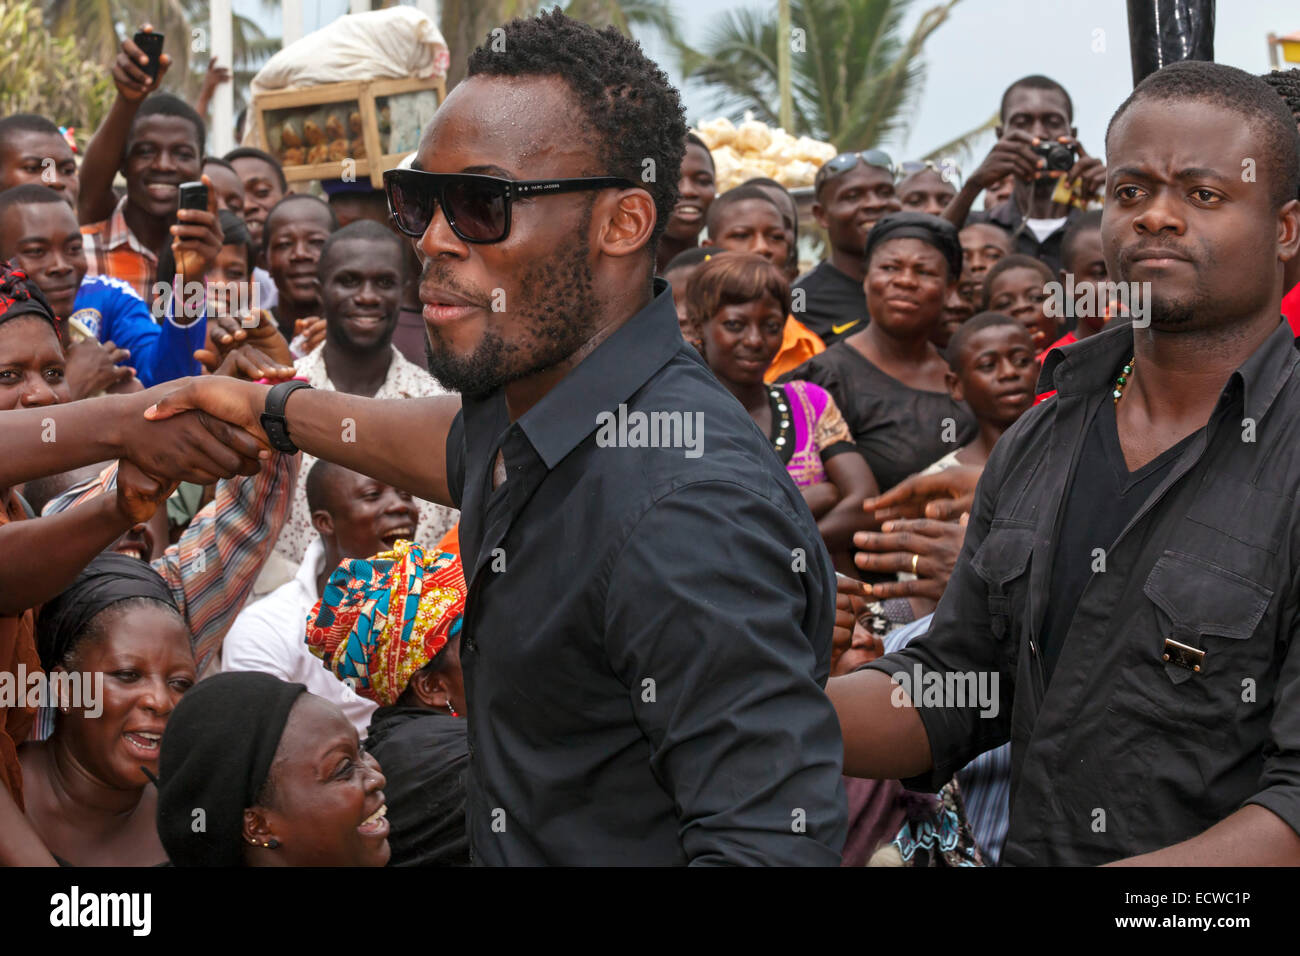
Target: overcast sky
x,y
984,45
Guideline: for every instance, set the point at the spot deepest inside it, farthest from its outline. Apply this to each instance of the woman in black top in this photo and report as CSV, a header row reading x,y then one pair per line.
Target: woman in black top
x,y
888,379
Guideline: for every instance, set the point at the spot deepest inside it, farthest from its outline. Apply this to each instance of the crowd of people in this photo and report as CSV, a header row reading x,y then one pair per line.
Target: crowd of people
x,y
340,564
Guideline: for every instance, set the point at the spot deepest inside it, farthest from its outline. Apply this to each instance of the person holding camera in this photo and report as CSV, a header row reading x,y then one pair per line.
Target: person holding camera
x,y
1054,176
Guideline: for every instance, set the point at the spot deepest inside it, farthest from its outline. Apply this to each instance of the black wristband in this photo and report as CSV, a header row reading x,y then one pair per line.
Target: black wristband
x,y
273,421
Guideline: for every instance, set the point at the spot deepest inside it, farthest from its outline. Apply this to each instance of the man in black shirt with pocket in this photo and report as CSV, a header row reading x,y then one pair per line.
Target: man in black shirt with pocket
x,y
1128,574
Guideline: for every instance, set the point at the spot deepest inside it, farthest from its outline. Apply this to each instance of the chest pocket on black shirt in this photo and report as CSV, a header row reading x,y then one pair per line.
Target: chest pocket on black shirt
x,y
1214,610
1000,561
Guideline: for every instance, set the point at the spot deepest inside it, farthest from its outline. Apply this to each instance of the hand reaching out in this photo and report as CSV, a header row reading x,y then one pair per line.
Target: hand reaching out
x,y
311,332
227,332
923,546
245,361
93,368
944,496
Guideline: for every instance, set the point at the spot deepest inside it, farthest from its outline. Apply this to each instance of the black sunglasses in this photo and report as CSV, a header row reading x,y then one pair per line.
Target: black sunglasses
x,y
477,207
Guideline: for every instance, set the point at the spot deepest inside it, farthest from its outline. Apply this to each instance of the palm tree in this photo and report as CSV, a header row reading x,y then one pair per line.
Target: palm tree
x,y
854,75
44,74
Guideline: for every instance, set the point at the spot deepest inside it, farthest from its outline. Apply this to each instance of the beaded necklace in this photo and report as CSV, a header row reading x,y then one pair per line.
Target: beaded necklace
x,y
1120,382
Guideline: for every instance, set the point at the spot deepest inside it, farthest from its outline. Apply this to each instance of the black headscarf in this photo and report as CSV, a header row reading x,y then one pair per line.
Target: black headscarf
x,y
216,755
932,230
107,580
19,295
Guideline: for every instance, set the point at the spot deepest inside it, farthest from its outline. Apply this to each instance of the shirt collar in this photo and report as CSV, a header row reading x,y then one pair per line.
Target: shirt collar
x,y
1090,364
312,367
608,376
120,234
313,563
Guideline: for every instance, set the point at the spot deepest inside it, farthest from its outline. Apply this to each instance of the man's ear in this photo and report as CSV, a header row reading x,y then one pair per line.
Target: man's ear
x,y
819,213
1288,231
955,391
323,522
631,220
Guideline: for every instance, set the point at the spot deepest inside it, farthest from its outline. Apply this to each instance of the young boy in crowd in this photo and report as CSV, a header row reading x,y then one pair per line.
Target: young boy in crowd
x,y
292,238
1017,286
982,244
1082,258
926,187
226,183
32,150
39,233
747,219
695,189
264,186
789,215
993,369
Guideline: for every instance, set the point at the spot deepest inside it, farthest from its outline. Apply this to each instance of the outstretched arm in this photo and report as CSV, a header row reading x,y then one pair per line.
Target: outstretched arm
x,y
57,438
401,442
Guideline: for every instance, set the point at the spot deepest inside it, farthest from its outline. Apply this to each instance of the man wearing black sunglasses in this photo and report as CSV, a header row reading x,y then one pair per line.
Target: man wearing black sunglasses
x,y
852,191
648,628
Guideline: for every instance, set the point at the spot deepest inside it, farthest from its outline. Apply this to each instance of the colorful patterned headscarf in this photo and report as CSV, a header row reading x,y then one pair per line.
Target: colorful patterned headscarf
x,y
383,618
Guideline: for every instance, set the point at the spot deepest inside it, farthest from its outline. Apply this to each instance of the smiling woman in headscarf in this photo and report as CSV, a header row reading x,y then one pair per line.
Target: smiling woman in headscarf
x,y
390,626
116,632
276,776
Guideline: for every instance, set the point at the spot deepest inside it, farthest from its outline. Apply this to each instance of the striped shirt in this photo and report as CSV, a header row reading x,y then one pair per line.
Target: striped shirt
x,y
112,249
985,782
211,569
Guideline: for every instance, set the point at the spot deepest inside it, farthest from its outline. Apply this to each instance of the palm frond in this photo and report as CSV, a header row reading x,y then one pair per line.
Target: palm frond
x,y
855,81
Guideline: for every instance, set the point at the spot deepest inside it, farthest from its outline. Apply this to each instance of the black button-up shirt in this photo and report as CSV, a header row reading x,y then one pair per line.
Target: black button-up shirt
x,y
647,636
1125,752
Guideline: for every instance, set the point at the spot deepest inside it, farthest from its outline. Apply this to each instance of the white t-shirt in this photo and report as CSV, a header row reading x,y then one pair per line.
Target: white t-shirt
x,y
270,636
1042,228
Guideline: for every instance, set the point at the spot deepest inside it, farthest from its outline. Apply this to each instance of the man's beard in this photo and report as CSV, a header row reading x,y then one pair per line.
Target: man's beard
x,y
1171,315
558,314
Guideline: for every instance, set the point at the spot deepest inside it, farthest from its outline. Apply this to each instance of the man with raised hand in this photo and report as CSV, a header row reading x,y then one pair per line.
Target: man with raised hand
x,y
648,629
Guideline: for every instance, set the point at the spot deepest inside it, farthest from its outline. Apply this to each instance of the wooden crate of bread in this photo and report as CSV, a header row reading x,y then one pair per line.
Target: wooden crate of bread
x,y
329,131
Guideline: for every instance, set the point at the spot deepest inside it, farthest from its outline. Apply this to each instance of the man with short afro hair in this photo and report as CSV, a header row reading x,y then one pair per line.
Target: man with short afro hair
x,y
637,126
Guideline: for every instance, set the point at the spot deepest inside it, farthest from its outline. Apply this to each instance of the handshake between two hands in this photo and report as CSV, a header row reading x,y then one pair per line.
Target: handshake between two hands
x,y
200,429
206,428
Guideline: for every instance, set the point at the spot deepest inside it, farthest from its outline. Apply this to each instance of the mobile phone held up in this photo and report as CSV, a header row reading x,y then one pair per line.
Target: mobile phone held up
x,y
151,45
193,196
